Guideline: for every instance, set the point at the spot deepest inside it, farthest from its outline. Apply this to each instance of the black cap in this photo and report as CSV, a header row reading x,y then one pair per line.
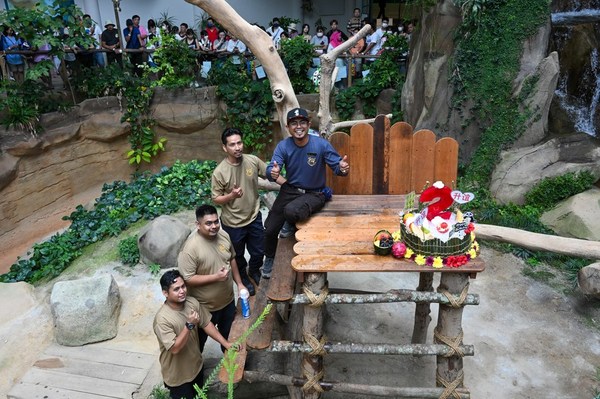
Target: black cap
x,y
297,113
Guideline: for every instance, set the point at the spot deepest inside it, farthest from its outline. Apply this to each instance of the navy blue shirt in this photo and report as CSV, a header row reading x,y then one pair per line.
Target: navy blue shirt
x,y
305,166
134,41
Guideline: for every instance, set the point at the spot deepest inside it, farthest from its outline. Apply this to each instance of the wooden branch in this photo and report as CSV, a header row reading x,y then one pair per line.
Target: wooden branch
x,y
343,124
377,349
539,242
326,84
370,390
261,45
401,295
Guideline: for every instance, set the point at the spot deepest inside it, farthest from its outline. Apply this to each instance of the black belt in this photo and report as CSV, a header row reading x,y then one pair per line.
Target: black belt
x,y
304,191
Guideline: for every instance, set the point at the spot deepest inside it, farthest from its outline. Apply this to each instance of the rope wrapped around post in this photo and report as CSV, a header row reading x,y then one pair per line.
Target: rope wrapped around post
x,y
456,302
316,301
450,387
453,342
312,382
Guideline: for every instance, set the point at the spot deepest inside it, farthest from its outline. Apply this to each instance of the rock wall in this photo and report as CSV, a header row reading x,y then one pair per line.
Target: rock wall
x,y
44,178
427,93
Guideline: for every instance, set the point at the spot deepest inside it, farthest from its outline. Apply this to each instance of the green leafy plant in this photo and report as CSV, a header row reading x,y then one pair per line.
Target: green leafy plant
x,y
550,191
99,82
249,103
384,73
154,269
184,185
176,64
228,361
159,392
129,252
297,56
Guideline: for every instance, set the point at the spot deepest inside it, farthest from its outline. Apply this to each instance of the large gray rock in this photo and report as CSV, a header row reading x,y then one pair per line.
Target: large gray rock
x,y
522,168
160,241
85,310
589,280
538,99
576,216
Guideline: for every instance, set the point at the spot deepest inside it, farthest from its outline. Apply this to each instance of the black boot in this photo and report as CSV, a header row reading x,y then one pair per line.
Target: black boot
x,y
246,281
255,275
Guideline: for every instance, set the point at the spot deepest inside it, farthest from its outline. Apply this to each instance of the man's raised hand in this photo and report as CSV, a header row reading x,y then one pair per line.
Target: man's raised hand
x,y
344,166
275,170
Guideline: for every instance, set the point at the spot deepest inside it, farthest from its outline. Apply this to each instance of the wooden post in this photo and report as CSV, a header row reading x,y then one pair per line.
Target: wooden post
x,y
312,326
449,326
422,310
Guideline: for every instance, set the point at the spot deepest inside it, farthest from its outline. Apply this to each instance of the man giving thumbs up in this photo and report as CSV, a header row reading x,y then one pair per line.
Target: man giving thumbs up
x,y
304,157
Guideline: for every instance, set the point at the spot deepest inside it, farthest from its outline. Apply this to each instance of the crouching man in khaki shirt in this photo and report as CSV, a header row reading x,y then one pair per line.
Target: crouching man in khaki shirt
x,y
176,326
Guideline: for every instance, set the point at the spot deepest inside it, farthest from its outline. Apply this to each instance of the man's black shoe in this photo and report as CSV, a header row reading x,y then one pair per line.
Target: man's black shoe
x,y
255,275
249,286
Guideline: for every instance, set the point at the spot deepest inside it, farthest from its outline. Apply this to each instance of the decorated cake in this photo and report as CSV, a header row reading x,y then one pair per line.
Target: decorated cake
x,y
434,235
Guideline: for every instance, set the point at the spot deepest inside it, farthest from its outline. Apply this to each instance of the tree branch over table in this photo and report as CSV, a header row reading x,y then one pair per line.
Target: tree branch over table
x,y
326,126
261,45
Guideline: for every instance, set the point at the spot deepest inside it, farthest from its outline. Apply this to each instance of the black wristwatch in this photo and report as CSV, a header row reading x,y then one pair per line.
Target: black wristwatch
x,y
190,326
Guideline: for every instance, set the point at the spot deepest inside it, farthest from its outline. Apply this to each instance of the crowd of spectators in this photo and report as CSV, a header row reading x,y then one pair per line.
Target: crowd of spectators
x,y
209,40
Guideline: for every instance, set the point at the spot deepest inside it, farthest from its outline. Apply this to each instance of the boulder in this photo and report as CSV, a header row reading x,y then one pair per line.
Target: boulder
x,y
85,310
104,126
160,241
589,280
184,111
577,216
522,168
93,106
537,100
31,146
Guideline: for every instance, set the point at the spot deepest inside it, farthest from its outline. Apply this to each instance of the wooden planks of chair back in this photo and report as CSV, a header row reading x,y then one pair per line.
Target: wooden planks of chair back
x,y
388,159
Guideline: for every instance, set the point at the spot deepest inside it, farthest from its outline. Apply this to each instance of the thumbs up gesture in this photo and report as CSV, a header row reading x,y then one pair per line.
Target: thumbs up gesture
x,y
344,166
275,170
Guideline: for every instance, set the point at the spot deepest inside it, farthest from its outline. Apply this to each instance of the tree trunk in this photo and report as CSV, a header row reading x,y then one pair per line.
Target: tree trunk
x,y
261,45
327,68
539,242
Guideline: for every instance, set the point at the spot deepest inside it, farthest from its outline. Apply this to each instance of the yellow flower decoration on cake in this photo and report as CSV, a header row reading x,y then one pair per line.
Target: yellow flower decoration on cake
x,y
473,253
409,253
438,263
420,260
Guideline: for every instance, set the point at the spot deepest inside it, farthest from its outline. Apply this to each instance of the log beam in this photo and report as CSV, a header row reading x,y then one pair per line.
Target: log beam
x,y
375,349
370,390
539,242
420,296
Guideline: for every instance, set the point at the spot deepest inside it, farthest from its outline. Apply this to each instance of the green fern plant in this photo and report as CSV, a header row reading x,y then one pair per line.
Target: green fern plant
x,y
228,361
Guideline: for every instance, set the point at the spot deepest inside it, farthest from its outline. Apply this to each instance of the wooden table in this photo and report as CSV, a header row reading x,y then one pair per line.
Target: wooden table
x,y
340,239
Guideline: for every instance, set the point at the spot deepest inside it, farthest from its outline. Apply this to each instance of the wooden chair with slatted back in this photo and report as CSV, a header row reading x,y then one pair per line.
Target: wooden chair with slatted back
x,y
388,159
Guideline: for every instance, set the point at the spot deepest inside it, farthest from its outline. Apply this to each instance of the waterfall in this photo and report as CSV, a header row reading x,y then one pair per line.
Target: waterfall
x,y
581,112
570,18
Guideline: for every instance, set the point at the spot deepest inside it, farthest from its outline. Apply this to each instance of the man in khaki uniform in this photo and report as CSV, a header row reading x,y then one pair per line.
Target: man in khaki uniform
x,y
234,186
207,264
176,326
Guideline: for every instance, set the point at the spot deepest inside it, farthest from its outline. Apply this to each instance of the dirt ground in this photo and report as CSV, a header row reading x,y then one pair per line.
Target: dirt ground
x,y
531,340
